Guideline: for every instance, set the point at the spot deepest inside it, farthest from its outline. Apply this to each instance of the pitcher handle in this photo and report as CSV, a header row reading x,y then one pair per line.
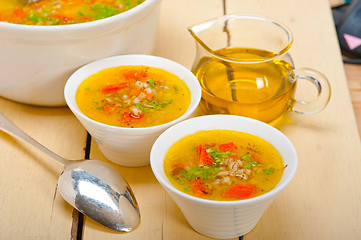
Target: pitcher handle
x,y
323,88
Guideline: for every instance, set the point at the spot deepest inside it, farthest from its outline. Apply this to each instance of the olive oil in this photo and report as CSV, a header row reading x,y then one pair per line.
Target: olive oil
x,y
250,83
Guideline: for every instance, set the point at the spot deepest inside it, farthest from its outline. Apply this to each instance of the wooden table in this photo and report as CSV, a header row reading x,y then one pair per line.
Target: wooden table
x,y
322,202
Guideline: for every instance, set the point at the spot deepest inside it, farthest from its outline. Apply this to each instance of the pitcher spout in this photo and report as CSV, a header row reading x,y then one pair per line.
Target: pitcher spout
x,y
234,31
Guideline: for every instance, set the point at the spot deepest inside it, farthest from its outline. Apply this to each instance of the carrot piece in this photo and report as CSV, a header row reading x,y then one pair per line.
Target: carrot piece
x,y
134,74
128,117
229,147
18,15
109,109
198,188
113,87
204,157
135,92
240,191
58,16
1,16
149,96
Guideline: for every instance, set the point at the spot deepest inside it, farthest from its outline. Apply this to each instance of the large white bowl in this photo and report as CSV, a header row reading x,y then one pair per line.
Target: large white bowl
x,y
129,146
223,219
36,61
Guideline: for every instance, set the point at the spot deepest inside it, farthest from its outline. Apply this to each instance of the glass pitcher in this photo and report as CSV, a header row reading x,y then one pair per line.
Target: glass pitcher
x,y
244,69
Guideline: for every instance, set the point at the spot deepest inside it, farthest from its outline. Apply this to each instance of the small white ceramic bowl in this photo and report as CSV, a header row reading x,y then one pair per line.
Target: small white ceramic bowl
x,y
36,61
223,219
128,146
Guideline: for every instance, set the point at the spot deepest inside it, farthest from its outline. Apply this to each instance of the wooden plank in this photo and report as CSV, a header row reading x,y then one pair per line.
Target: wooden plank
x,y
31,207
323,201
353,75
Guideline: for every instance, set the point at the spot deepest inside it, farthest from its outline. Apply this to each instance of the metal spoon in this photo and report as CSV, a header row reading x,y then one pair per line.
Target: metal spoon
x,y
93,187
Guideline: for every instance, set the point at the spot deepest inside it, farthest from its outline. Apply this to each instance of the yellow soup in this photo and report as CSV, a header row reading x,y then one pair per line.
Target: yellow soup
x,y
133,96
61,12
223,165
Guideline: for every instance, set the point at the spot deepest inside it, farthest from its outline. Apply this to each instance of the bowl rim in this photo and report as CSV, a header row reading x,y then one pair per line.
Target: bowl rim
x,y
56,28
195,96
163,180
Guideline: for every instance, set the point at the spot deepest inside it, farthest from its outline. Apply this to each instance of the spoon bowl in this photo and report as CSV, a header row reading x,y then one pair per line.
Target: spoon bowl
x,y
93,187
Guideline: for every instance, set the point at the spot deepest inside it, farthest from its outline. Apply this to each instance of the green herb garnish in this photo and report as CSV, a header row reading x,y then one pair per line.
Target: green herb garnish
x,y
206,172
270,171
176,89
103,11
151,83
217,156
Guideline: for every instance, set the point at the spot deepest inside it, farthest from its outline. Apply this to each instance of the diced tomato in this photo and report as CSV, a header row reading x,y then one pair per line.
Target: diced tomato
x,y
135,74
204,157
113,87
109,109
198,188
240,191
225,147
128,116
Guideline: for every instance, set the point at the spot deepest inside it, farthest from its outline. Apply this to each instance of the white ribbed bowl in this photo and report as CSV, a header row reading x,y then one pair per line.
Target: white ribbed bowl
x,y
36,61
128,146
223,219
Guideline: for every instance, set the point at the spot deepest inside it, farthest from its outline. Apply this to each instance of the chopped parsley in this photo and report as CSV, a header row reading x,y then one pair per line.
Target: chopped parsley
x,y
217,156
269,171
157,104
205,172
176,89
251,163
151,83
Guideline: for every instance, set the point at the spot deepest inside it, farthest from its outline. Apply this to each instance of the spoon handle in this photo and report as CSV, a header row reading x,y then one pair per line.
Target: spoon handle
x,y
7,126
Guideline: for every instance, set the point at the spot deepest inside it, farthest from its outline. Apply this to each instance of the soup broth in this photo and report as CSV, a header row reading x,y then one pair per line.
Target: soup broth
x,y
223,165
133,96
261,91
61,12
